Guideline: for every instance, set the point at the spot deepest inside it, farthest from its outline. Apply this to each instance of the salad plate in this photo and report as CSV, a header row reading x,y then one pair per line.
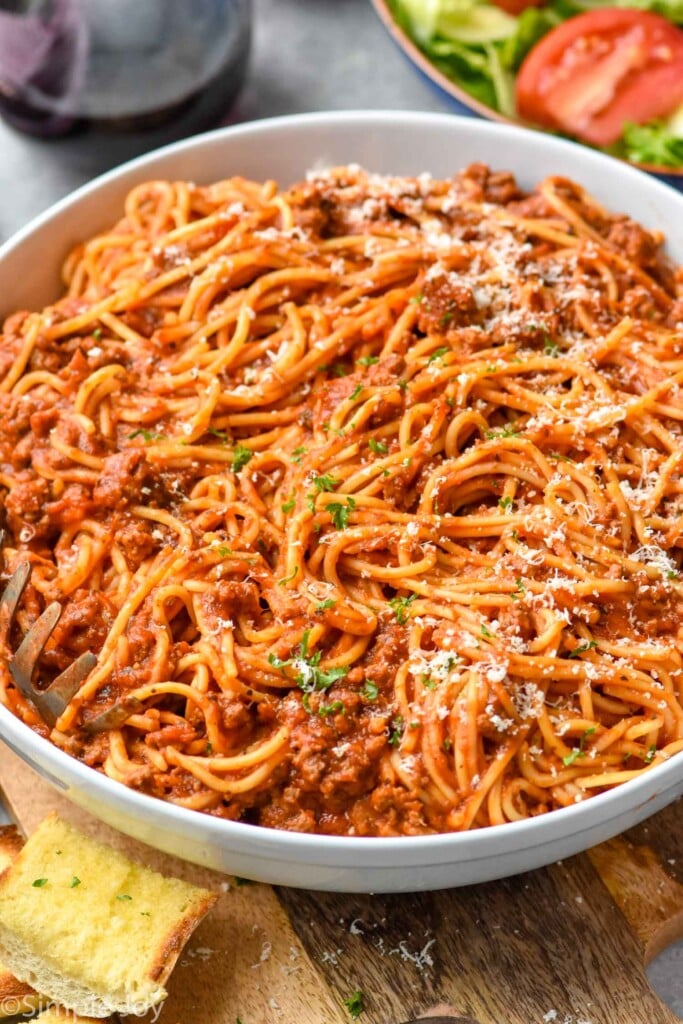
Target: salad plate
x,y
608,76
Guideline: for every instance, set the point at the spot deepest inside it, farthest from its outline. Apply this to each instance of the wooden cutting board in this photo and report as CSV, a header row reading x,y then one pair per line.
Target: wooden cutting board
x,y
564,945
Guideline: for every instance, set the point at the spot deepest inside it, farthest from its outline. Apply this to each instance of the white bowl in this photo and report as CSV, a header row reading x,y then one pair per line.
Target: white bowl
x,y
284,148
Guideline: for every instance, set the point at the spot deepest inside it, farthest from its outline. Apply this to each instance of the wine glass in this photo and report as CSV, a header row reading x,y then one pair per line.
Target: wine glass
x,y
128,65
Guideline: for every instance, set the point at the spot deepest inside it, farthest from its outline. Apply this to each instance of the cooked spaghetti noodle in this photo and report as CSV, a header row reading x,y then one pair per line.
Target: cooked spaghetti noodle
x,y
368,492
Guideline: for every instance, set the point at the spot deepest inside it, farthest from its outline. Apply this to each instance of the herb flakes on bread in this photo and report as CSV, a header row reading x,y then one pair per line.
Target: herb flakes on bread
x,y
110,930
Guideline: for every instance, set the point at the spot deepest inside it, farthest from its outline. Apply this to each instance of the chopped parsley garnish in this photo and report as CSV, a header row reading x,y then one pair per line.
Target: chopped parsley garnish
x,y
240,457
560,457
74,882
97,333
447,744
146,435
446,319
578,751
400,606
403,385
439,353
354,1004
340,512
209,748
356,392
288,579
339,370
288,505
378,447
415,300
39,883
520,589
505,503
649,757
222,435
486,632
508,431
309,676
672,574
587,645
370,690
367,360
322,606
396,733
297,453
223,550
335,708
550,348
325,483
124,896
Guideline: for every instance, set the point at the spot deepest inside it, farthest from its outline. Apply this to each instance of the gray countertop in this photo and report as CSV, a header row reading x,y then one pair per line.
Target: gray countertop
x,y
308,55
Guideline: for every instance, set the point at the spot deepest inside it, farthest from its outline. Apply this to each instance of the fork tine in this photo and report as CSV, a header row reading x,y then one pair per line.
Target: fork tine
x,y
11,598
24,661
115,716
52,701
32,645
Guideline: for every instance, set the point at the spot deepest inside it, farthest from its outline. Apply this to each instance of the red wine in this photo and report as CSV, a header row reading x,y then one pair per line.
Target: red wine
x,y
126,65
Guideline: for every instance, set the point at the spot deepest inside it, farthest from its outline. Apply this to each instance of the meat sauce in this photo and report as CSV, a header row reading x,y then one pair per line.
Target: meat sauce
x,y
338,774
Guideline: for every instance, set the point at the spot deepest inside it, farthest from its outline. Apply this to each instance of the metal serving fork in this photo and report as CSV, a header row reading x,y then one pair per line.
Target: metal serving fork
x,y
53,700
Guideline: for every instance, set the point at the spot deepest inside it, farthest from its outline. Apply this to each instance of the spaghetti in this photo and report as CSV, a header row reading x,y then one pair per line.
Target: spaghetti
x,y
366,493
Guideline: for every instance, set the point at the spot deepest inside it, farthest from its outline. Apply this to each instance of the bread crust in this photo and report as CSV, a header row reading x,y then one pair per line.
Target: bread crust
x,y
172,946
11,843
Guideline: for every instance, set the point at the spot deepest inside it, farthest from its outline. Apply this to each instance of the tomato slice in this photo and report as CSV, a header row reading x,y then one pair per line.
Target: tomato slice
x,y
517,6
600,69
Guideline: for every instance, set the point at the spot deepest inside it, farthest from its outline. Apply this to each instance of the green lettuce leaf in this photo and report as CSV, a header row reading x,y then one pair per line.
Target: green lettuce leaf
x,y
671,9
532,25
652,143
478,23
463,21
469,66
418,17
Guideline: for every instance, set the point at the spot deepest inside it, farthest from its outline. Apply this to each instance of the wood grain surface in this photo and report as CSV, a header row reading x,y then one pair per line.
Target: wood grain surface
x,y
564,945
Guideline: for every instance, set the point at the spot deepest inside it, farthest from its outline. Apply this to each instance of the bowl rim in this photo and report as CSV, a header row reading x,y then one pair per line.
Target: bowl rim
x,y
432,849
456,92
